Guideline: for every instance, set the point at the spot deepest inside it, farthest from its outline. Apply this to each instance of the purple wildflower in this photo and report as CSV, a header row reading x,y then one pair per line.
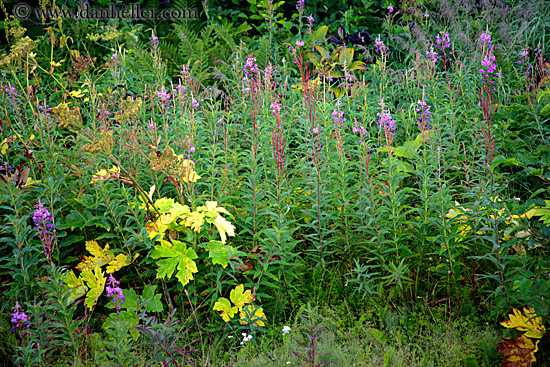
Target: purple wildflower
x,y
310,19
390,9
113,290
485,39
275,108
425,116
103,114
43,221
195,104
250,67
12,93
164,97
154,41
386,123
300,5
299,43
431,55
359,128
442,41
380,46
19,317
338,118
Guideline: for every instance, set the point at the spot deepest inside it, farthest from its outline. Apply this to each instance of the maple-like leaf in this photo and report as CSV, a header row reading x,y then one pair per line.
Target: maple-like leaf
x,y
252,314
227,311
240,298
224,226
195,221
175,256
100,256
76,286
96,284
518,352
220,253
530,323
119,261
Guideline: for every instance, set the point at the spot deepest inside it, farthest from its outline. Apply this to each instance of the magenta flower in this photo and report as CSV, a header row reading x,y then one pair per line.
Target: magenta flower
x,y
113,290
310,19
380,46
299,43
485,39
250,67
19,317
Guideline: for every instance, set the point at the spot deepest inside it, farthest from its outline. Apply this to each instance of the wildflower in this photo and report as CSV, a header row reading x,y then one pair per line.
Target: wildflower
x,y
386,123
113,290
485,38
425,116
299,43
286,329
338,118
229,336
300,5
103,114
195,104
154,41
185,71
250,66
380,46
275,108
359,128
310,19
431,55
390,9
246,338
164,97
42,218
19,317
442,41
12,93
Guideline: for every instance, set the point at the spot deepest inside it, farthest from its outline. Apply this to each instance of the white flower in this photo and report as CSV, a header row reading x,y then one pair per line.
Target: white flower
x,y
229,336
288,362
286,329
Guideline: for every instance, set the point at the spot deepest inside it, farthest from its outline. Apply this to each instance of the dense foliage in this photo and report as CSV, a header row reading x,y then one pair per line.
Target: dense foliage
x,y
177,192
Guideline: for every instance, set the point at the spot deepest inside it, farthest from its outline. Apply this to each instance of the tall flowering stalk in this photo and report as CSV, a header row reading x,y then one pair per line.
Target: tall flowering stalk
x,y
114,291
489,103
386,124
365,152
44,225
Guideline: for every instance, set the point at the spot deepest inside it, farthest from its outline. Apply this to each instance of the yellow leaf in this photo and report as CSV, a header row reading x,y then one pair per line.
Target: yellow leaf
x,y
76,286
224,226
117,263
252,314
99,256
530,323
96,284
195,221
240,298
223,305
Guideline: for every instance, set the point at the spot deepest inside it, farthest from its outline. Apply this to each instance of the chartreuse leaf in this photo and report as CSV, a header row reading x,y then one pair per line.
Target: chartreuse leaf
x,y
76,286
219,253
96,284
530,323
175,256
239,297
227,312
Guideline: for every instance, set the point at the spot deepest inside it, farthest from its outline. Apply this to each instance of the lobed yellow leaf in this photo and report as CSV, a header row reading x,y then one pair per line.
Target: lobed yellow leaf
x,y
530,323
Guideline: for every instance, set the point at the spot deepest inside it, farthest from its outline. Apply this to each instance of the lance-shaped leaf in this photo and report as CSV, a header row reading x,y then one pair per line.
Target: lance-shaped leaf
x,y
175,256
227,312
252,315
239,297
530,323
96,284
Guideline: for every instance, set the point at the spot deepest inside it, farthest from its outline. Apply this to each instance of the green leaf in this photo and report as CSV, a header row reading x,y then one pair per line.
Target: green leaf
x,y
76,286
175,256
96,284
219,253
152,301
